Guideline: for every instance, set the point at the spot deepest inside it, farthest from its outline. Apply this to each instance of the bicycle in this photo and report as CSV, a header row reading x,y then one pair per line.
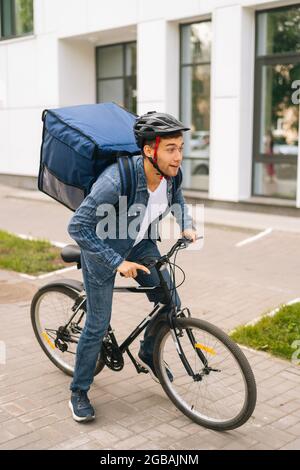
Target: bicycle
x,y
213,383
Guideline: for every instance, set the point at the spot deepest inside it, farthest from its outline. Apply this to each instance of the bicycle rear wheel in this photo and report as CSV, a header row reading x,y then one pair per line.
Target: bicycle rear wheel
x,y
51,309
223,394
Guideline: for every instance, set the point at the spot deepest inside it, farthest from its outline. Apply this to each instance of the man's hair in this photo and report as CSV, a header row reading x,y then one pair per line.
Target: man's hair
x,y
163,137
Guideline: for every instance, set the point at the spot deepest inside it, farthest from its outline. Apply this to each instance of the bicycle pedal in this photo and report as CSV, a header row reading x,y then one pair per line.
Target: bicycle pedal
x,y
142,369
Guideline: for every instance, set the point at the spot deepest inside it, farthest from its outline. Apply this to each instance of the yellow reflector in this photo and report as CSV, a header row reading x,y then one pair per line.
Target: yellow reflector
x,y
205,348
46,337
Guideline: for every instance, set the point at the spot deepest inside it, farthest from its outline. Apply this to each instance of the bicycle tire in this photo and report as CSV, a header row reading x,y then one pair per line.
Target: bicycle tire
x,y
243,363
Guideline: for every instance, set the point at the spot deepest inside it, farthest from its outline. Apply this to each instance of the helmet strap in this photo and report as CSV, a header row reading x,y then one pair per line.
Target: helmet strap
x,y
154,159
157,141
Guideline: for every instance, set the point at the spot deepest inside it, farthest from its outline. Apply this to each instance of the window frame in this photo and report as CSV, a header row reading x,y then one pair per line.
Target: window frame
x,y
262,60
123,77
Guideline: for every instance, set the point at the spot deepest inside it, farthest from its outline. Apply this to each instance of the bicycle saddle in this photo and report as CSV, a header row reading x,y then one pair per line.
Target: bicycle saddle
x,y
70,254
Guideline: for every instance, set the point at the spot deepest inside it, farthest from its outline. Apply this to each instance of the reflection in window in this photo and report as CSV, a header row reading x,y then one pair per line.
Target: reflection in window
x,y
195,102
116,74
196,43
16,18
279,31
280,116
276,119
276,180
111,90
130,52
110,61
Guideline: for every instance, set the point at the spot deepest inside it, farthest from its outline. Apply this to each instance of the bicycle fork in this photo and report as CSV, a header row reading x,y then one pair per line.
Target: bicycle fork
x,y
171,320
197,377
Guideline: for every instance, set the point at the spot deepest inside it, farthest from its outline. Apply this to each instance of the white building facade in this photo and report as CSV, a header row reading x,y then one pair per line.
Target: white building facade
x,y
228,70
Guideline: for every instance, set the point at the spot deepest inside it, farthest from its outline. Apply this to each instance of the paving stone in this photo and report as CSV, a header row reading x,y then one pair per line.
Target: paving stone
x,y
293,445
287,422
19,442
130,443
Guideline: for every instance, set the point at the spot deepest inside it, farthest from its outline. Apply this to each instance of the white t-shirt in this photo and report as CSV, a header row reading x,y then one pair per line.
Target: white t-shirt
x,y
157,204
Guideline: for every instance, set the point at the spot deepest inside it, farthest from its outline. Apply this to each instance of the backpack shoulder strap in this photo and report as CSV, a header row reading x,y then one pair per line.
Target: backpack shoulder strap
x,y
128,181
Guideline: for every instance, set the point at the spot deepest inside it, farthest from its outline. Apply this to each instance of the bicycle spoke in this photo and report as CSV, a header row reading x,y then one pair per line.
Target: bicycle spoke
x,y
54,310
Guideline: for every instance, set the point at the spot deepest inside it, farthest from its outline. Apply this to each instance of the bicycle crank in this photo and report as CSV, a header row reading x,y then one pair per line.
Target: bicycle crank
x,y
112,356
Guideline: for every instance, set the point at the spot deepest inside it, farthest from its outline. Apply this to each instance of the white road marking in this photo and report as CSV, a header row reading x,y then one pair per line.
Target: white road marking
x,y
43,276
54,243
255,237
52,273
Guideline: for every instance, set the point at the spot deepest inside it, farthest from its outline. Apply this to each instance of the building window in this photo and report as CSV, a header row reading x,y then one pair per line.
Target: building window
x,y
116,74
16,18
195,53
276,113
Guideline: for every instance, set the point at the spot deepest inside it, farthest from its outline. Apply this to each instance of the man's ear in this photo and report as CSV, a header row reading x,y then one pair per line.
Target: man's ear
x,y
148,150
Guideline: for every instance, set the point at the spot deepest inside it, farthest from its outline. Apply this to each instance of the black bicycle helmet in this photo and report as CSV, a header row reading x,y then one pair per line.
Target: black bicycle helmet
x,y
152,126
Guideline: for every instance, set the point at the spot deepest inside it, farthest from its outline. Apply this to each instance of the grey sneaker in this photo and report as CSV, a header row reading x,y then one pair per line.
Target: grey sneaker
x,y
81,407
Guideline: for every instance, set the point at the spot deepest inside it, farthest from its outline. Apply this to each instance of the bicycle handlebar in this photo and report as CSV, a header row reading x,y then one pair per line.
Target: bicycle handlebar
x,y
184,242
163,259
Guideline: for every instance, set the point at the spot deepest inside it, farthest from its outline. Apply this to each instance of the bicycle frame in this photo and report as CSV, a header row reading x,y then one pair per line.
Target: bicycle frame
x,y
172,314
162,288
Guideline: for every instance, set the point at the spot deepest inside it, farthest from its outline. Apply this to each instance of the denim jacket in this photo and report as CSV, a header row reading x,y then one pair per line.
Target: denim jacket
x,y
104,256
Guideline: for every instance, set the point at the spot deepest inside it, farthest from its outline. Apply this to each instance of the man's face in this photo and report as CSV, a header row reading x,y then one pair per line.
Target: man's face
x,y
169,155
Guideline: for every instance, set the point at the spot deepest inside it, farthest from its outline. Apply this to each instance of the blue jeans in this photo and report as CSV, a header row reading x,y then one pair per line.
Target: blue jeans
x,y
99,306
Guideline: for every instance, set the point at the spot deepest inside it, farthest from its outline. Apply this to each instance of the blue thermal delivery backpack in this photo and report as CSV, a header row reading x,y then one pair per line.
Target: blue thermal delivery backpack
x,y
79,142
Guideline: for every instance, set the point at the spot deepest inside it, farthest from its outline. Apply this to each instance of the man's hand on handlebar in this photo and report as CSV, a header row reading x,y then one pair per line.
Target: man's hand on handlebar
x,y
129,269
189,233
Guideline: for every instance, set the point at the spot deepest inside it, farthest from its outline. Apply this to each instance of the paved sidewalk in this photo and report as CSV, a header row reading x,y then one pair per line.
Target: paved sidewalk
x,y
226,285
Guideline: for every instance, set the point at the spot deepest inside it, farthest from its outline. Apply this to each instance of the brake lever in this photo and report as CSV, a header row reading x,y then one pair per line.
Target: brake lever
x,y
189,240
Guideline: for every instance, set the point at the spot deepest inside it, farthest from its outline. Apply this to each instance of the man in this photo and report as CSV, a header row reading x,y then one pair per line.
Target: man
x,y
159,135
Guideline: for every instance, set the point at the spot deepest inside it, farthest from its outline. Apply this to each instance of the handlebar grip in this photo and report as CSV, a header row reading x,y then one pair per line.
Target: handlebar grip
x,y
189,240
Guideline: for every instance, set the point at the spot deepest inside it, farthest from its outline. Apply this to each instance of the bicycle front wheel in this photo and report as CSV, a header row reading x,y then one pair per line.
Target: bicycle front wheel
x,y
222,393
